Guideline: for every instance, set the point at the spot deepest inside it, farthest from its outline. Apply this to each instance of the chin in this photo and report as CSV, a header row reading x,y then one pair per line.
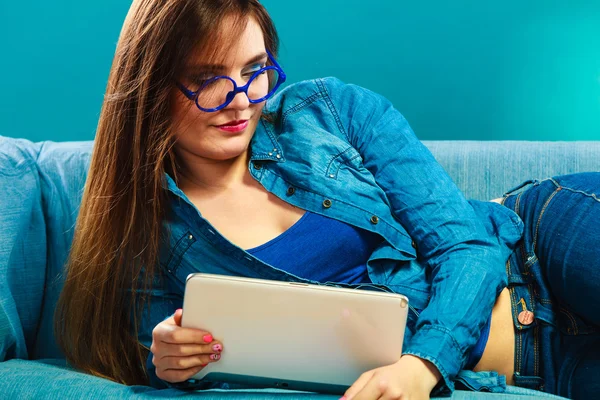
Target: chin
x,y
233,150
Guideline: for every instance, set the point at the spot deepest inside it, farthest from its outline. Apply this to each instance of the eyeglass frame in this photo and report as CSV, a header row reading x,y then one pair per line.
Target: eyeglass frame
x,y
193,95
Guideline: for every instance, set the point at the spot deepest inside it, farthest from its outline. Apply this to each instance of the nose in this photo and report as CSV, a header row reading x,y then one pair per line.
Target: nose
x,y
240,102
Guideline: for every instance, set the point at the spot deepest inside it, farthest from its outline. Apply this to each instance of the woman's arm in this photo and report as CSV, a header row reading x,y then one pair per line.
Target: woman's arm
x,y
464,264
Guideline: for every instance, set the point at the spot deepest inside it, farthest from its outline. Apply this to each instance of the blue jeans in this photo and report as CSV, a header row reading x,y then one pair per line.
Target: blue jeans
x,y
554,283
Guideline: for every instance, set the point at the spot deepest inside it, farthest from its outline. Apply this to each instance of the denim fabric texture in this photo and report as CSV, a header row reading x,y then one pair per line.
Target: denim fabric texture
x,y
555,274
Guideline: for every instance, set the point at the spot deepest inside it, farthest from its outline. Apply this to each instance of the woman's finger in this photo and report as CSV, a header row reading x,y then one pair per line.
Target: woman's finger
x,y
185,362
358,385
177,316
185,350
373,389
177,375
174,334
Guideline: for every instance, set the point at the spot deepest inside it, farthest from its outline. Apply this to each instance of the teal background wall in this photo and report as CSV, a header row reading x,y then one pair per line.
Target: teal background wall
x,y
524,70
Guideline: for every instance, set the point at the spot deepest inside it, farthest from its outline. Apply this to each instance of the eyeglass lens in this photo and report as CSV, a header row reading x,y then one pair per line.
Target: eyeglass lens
x,y
215,93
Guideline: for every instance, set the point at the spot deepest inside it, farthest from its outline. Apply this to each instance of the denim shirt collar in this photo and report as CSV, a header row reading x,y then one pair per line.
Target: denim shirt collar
x,y
264,145
171,186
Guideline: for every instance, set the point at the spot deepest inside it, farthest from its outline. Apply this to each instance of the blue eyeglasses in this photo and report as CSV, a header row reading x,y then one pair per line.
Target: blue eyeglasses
x,y
217,92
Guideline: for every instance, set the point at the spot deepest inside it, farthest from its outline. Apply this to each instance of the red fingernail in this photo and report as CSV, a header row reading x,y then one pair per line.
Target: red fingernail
x,y
208,338
204,365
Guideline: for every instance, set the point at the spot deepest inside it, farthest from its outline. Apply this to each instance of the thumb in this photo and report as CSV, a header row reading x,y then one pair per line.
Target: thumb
x,y
177,316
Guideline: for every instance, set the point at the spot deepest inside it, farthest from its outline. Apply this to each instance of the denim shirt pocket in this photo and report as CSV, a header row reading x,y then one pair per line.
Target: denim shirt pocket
x,y
349,157
172,253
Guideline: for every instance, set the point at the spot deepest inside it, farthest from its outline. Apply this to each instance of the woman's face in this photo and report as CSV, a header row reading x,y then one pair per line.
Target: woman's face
x,y
224,134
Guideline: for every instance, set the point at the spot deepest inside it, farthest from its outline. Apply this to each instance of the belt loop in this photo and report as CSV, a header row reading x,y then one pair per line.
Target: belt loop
x,y
522,185
528,382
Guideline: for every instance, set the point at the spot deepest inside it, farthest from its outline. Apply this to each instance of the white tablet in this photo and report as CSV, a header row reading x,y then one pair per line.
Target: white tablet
x,y
291,335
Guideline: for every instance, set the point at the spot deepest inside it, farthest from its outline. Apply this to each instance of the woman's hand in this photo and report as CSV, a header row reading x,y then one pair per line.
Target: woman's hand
x,y
180,353
411,378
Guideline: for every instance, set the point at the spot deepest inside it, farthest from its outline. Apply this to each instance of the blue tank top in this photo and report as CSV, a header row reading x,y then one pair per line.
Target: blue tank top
x,y
321,249
324,249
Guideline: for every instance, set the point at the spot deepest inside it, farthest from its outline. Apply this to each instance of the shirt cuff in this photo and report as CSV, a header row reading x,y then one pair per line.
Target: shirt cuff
x,y
438,346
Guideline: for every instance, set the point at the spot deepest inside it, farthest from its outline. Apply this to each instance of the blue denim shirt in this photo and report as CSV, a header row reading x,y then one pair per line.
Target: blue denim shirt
x,y
344,152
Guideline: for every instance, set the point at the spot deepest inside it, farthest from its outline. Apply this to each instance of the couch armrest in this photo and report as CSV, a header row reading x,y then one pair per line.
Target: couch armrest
x,y
22,248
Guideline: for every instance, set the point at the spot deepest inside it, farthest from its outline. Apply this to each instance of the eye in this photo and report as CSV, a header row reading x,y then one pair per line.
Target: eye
x,y
195,82
254,69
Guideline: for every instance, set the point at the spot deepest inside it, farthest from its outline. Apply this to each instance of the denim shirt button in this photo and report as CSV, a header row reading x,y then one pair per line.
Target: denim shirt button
x,y
374,219
326,203
257,166
414,246
291,190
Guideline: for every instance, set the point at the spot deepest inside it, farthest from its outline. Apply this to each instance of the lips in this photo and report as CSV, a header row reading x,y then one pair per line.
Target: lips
x,y
234,126
233,123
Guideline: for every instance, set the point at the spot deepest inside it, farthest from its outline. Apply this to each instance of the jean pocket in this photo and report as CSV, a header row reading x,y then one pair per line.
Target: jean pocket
x,y
571,324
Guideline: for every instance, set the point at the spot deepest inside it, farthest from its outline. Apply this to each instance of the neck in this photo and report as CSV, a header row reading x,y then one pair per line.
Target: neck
x,y
212,175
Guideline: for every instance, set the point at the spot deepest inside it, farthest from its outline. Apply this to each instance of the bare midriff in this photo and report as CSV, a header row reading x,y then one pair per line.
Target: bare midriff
x,y
499,353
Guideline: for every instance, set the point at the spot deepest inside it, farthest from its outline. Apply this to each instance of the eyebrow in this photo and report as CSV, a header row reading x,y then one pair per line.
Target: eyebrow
x,y
219,67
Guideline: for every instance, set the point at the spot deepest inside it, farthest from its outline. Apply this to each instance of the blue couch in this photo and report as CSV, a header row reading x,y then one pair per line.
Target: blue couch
x,y
31,365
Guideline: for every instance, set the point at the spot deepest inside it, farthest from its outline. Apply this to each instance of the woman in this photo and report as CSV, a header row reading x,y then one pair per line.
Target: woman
x,y
193,171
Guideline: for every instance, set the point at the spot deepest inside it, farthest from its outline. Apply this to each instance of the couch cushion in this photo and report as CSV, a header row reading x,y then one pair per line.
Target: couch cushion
x,y
52,379
41,379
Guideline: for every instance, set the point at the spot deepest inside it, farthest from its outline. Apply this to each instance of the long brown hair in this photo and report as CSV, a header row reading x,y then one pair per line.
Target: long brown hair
x,y
114,255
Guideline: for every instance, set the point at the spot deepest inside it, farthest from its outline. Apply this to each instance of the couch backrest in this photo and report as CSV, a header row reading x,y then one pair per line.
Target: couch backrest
x,y
50,182
487,169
